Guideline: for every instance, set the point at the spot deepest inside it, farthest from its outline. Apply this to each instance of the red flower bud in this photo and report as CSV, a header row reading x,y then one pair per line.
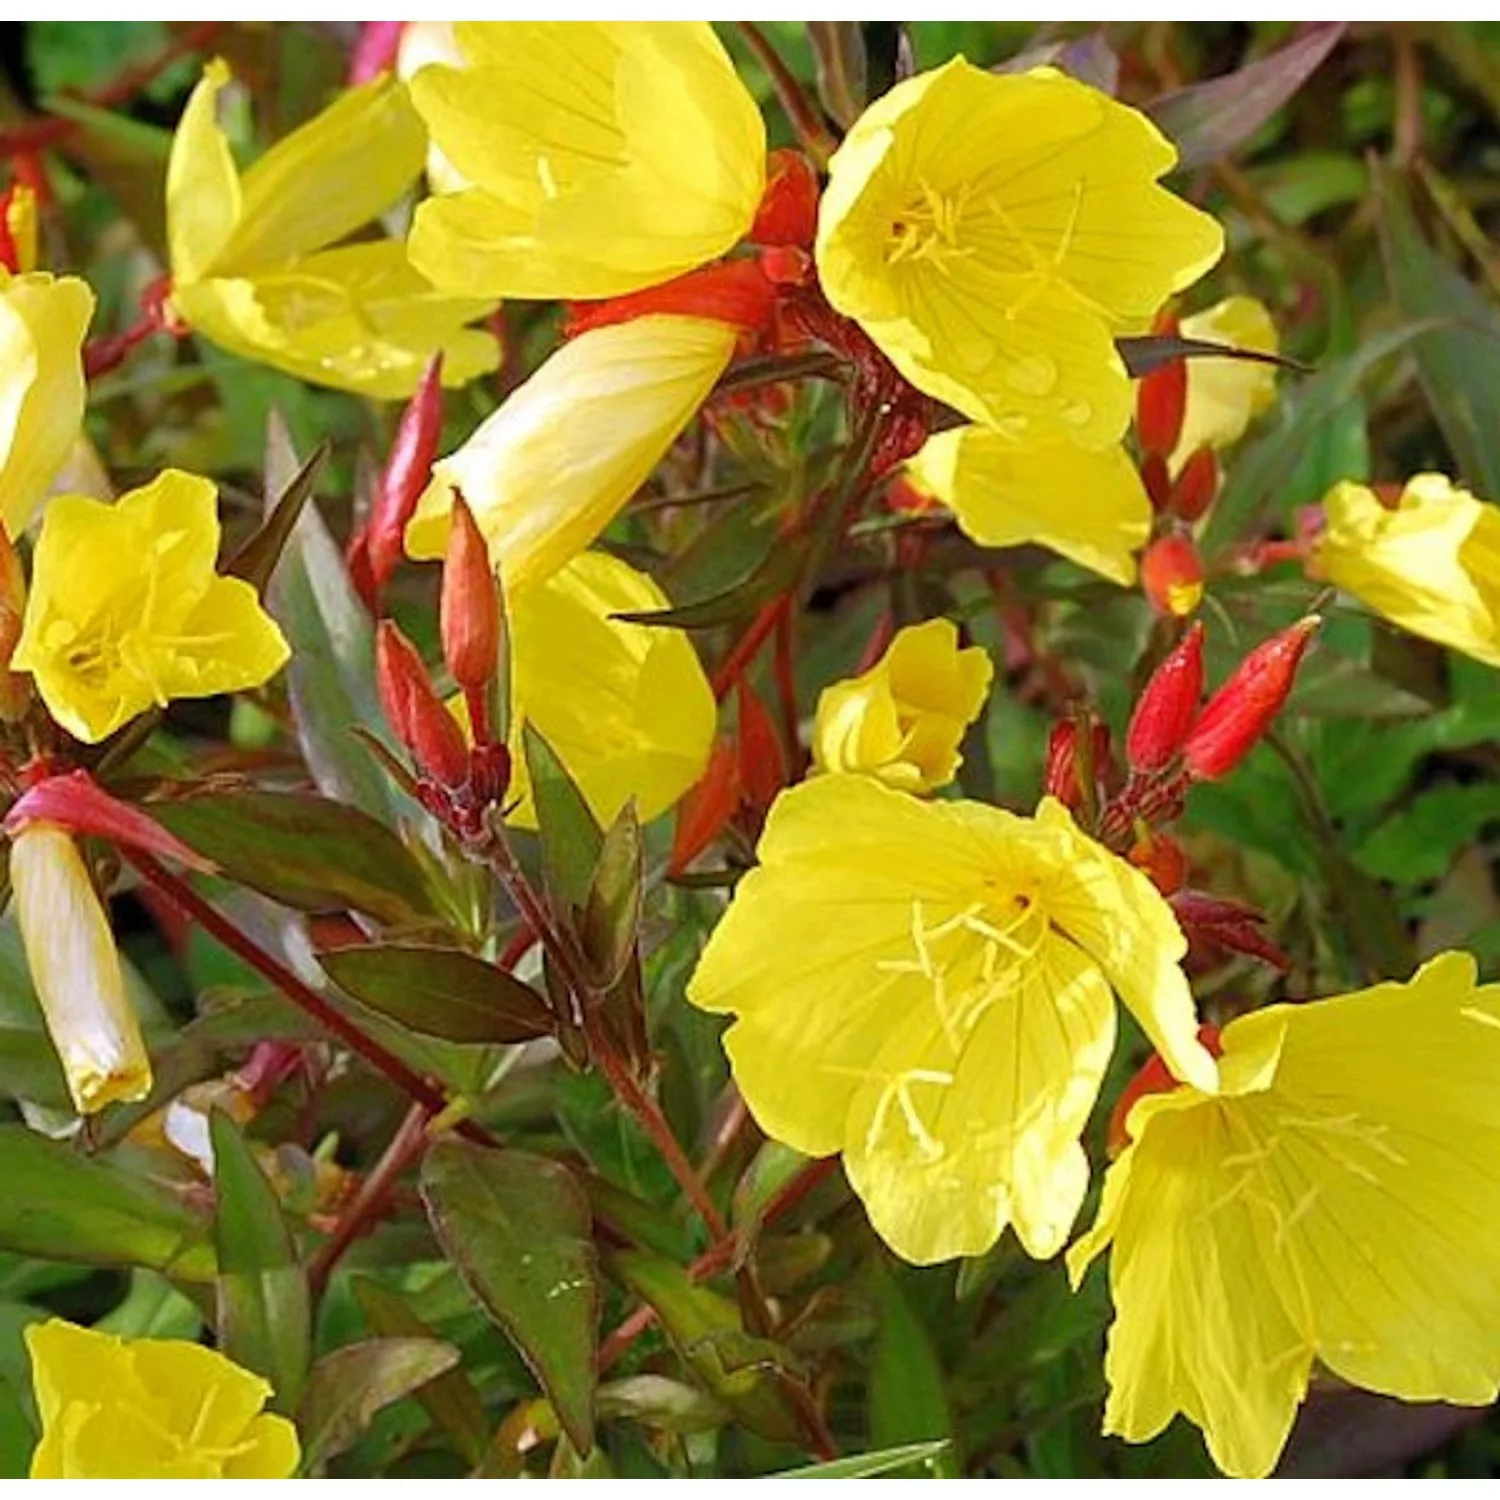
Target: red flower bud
x,y
470,606
1227,924
1157,481
1196,486
1153,1077
1172,575
1161,858
415,712
76,802
788,265
788,212
1161,401
733,291
407,471
1164,711
374,50
762,757
1062,774
707,808
1241,711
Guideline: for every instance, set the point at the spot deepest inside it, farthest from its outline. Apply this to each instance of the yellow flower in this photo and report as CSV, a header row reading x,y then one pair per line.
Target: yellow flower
x,y
1088,504
994,233
626,707
43,320
1225,395
600,158
251,264
1338,1201
926,987
70,951
126,610
116,1408
1431,563
548,471
902,721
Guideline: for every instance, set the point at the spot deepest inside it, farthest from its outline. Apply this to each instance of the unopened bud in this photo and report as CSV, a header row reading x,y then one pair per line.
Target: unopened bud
x,y
407,471
1070,777
707,808
470,607
374,50
1172,575
737,292
75,969
762,757
1196,486
1153,1077
18,229
415,712
1233,925
788,212
1242,710
1165,710
1161,858
1156,479
1161,402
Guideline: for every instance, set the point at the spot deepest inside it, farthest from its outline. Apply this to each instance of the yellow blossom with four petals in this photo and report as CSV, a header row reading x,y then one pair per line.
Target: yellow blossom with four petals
x,y
901,722
116,1408
126,610
927,987
1337,1201
994,234
1430,561
599,158
257,266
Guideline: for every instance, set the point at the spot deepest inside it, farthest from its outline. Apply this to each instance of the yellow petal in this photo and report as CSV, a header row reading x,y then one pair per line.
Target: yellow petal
x,y
1431,564
903,719
548,471
1089,505
1225,395
993,233
43,321
203,186
626,707
1339,1206
268,1450
70,951
603,157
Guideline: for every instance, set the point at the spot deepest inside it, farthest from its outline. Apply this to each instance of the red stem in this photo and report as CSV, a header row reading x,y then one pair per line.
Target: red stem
x,y
196,909
748,644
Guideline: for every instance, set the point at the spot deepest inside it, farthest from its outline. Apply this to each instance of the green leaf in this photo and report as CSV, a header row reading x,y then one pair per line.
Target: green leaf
x,y
62,1206
780,569
1208,120
449,1399
1420,842
868,1465
347,1388
571,839
656,1401
518,1229
264,1310
331,675
440,992
304,851
1459,363
705,1329
256,561
612,909
1260,474
907,1395
29,1068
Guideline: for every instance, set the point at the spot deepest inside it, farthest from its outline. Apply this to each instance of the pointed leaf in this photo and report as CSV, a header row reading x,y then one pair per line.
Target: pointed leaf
x,y
350,1385
612,909
256,561
450,1399
571,838
907,1393
1151,351
1208,120
518,1229
440,992
303,851
868,1465
62,1206
265,1314
331,675
778,571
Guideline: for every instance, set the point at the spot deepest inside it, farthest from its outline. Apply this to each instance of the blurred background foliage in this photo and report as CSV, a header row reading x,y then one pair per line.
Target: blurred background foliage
x,y
1364,212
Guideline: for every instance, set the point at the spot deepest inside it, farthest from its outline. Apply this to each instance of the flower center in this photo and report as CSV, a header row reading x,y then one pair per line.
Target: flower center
x,y
928,228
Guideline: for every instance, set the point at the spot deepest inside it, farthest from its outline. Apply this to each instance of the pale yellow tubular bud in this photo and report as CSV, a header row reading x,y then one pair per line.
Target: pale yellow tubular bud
x,y
76,970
